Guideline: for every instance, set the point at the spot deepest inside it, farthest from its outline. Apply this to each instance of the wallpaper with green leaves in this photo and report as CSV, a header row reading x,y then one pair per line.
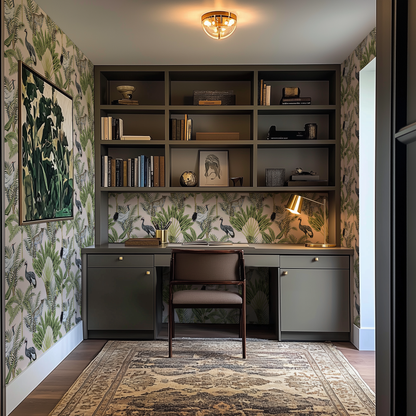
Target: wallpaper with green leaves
x,y
228,216
350,129
42,261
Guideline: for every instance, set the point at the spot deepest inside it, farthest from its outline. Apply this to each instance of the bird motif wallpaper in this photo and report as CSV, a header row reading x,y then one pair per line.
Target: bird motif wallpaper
x,y
350,133
42,261
237,217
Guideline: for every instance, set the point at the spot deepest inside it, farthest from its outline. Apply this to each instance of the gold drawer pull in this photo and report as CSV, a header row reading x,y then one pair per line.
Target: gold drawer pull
x,y
316,259
147,271
285,273
120,258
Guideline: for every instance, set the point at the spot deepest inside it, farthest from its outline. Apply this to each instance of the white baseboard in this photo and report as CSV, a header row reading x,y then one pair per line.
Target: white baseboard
x,y
364,339
21,386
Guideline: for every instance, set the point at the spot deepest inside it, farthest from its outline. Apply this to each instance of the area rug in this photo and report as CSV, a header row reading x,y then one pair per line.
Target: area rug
x,y
209,377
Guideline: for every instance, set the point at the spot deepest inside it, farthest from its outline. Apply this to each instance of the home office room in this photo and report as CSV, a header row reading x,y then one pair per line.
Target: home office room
x,y
182,212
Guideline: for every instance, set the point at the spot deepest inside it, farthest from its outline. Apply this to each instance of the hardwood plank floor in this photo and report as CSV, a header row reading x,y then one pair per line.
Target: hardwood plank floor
x,y
47,395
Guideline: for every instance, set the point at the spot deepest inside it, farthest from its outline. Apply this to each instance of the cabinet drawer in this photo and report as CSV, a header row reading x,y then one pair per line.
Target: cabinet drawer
x,y
314,262
120,260
255,260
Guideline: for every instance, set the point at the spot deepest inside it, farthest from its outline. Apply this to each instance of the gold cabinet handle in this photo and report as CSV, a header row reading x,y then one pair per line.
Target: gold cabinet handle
x,y
120,258
316,259
147,271
285,273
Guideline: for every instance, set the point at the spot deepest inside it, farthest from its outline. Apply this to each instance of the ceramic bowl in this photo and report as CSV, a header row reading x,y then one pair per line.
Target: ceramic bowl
x,y
126,91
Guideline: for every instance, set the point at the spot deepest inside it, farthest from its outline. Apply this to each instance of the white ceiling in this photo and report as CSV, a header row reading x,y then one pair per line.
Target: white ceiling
x,y
169,32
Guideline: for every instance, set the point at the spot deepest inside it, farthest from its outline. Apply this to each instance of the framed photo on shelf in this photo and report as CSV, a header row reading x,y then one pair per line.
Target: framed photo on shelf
x,y
213,168
46,156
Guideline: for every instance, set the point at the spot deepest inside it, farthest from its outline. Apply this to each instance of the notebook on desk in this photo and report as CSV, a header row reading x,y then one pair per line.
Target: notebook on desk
x,y
203,243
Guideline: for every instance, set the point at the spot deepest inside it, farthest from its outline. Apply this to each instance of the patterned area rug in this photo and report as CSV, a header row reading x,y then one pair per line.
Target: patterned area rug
x,y
209,377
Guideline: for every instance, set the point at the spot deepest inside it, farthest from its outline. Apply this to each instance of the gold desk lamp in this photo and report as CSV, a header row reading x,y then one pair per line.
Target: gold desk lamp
x,y
294,206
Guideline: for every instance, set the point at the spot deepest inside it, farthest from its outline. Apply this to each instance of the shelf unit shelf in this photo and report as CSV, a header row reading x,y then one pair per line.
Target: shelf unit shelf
x,y
166,92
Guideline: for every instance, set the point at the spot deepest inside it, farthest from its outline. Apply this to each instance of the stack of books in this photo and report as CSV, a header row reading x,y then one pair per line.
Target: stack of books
x,y
111,128
265,92
141,171
291,96
125,102
306,180
181,128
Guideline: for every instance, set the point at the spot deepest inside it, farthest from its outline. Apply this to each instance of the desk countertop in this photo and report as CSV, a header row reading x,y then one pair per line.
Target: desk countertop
x,y
281,249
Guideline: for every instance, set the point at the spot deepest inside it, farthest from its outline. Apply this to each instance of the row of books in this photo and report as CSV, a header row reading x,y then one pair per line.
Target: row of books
x,y
181,128
138,172
112,128
265,93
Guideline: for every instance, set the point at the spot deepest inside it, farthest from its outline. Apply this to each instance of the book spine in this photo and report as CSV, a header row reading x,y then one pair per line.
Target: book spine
x,y
129,172
104,171
103,128
182,136
178,129
125,172
109,170
150,180
173,122
119,172
142,163
162,171
113,173
156,171
110,128
136,172
268,94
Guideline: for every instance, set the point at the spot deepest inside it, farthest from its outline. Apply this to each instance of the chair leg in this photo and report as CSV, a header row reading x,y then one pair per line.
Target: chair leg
x,y
170,323
244,333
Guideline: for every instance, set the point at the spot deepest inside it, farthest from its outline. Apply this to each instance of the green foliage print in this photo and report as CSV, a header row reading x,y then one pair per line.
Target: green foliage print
x,y
253,224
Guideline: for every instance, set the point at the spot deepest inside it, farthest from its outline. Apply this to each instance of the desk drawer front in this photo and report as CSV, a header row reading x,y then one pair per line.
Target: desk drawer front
x,y
120,260
314,262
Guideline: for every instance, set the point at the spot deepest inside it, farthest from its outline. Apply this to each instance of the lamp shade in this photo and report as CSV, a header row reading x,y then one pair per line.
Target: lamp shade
x,y
294,204
219,25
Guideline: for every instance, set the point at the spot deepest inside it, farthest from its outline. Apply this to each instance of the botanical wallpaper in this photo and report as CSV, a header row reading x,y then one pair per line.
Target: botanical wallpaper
x,y
43,260
350,128
226,216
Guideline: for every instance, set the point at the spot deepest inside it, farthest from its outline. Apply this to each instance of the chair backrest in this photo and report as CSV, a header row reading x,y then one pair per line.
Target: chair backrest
x,y
207,265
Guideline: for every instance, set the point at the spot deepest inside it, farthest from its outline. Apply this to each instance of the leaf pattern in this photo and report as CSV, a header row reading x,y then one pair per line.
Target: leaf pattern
x,y
361,56
33,313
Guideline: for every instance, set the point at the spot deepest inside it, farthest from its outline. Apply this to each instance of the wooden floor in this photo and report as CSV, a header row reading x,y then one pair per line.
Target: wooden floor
x,y
47,395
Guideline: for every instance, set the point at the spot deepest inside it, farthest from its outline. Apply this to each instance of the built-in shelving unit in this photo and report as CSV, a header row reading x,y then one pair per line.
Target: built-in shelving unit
x,y
166,92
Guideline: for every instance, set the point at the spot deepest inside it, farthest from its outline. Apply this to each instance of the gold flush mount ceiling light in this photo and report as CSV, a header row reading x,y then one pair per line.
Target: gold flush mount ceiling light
x,y
219,25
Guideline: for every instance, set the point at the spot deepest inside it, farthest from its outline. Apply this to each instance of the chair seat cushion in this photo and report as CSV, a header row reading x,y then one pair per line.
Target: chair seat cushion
x,y
202,297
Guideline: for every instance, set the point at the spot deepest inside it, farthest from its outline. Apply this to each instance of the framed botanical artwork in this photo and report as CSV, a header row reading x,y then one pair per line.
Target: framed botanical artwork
x,y
213,168
46,159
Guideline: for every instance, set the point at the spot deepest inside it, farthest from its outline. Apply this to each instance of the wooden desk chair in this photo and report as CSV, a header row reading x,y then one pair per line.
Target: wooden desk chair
x,y
207,267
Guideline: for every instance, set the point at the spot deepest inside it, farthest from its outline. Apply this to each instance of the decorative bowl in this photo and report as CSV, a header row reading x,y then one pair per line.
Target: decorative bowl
x,y
188,178
126,91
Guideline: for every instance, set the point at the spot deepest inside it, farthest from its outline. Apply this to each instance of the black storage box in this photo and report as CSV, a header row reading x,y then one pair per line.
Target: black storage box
x,y
214,97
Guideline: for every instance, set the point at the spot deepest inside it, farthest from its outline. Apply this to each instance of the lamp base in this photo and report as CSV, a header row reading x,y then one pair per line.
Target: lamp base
x,y
320,245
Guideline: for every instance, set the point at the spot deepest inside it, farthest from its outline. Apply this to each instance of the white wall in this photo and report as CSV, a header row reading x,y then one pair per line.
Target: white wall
x,y
367,206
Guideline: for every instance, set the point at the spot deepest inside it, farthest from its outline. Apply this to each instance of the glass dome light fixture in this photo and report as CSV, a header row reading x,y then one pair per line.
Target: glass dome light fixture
x,y
219,25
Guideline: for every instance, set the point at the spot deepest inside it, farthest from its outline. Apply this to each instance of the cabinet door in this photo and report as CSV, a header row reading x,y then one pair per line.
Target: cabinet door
x,y
315,300
120,298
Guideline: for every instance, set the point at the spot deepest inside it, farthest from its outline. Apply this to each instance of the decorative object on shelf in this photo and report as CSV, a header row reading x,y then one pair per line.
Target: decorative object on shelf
x,y
294,206
126,91
213,168
273,134
46,173
236,180
214,97
219,25
188,178
311,131
275,177
291,95
163,235
143,242
211,135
